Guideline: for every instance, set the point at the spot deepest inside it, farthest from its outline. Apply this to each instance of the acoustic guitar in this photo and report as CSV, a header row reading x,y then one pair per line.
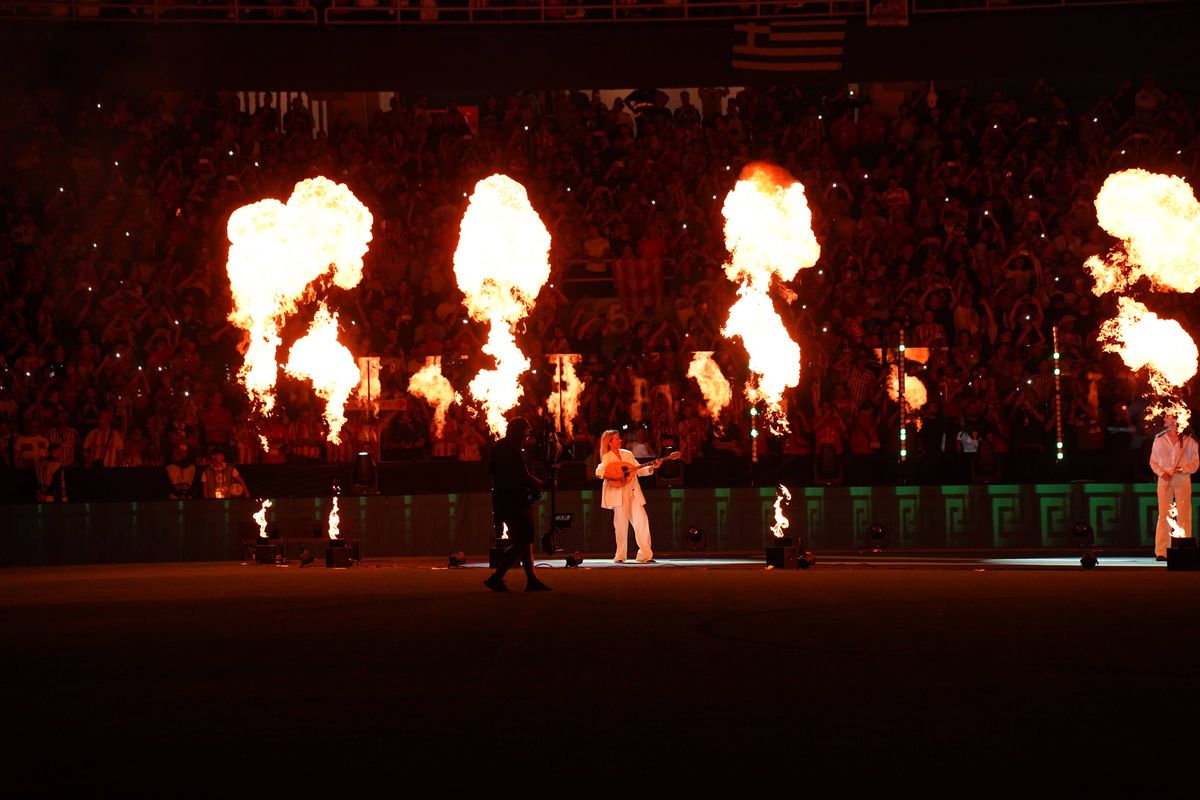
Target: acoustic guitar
x,y
619,473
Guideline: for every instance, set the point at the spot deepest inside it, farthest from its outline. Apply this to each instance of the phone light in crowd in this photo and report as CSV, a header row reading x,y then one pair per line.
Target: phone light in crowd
x,y
60,188
1095,119
127,234
230,152
986,212
97,105
94,245
1030,197
835,184
685,226
526,127
256,163
1122,152
118,163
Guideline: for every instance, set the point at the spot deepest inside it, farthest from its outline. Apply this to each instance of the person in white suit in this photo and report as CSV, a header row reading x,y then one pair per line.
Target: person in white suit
x,y
1173,458
627,502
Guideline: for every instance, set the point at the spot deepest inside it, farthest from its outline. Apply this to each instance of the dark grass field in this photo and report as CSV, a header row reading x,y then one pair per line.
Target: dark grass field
x,y
394,673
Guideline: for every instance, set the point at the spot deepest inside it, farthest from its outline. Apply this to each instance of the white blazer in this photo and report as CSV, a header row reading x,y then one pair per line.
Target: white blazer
x,y
616,496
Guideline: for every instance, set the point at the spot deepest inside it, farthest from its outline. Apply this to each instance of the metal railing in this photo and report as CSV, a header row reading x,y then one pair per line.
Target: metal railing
x,y
250,12
471,12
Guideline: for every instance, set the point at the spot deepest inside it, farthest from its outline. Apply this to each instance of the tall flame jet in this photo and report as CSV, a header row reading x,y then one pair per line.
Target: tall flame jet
x,y
501,264
1157,220
278,254
768,232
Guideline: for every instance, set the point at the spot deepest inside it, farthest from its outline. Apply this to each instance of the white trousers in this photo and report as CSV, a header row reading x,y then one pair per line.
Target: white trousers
x,y
628,512
1179,487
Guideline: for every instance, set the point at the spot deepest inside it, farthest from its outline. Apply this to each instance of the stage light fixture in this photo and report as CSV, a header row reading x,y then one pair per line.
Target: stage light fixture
x,y
695,539
1083,535
366,477
457,559
877,537
575,559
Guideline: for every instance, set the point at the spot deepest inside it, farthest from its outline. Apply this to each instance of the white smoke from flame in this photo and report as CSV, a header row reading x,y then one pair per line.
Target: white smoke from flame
x,y
1162,346
713,384
334,520
782,495
319,357
261,519
501,263
277,252
430,385
768,232
572,387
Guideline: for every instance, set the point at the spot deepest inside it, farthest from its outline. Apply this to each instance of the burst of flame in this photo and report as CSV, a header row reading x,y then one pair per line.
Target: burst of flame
x,y
768,232
1173,521
430,385
915,394
266,444
368,383
1157,219
782,495
572,388
1162,346
322,359
501,263
261,519
277,252
334,520
504,532
713,384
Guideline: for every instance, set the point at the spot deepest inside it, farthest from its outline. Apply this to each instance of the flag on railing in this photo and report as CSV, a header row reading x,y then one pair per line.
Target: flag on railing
x,y
808,46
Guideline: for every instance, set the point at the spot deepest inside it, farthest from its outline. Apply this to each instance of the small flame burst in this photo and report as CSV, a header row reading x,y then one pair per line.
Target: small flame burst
x,y
782,495
334,520
1173,521
566,379
368,383
1162,346
261,519
915,394
430,385
501,263
325,361
1157,219
768,231
714,386
266,444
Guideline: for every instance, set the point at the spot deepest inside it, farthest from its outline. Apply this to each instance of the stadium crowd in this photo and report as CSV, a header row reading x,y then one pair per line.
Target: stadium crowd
x,y
961,219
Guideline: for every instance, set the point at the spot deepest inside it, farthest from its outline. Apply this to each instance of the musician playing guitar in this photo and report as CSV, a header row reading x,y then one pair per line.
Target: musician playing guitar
x,y
623,494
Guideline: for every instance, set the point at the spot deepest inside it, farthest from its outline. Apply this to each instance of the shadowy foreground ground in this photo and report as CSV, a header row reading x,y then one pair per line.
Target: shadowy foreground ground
x,y
399,673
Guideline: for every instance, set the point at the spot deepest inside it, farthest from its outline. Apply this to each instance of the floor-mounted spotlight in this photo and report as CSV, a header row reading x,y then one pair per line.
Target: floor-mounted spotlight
x,y
1084,536
695,539
877,537
575,559
366,474
457,559
1182,555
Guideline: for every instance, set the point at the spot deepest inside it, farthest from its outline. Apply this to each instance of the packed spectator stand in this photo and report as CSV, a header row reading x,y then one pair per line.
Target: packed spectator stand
x,y
961,218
